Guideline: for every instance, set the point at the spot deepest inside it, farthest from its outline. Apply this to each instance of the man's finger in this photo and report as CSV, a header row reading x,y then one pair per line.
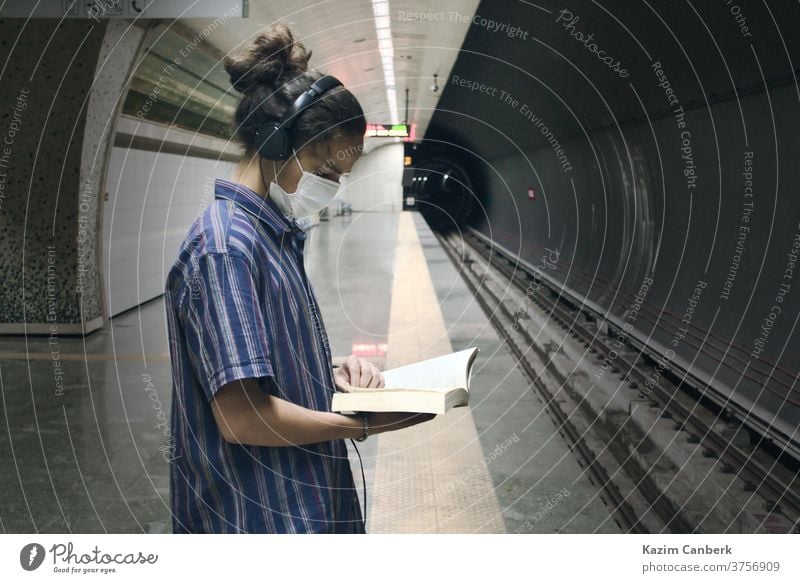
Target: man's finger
x,y
365,373
373,379
341,376
351,367
376,372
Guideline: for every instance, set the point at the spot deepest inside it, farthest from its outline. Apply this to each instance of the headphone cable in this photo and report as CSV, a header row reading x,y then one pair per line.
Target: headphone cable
x,y
360,462
363,482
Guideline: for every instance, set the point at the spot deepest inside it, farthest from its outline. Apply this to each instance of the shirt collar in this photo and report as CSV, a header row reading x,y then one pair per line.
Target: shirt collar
x,y
264,209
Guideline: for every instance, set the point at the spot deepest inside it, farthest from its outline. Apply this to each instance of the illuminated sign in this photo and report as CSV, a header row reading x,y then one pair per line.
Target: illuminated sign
x,y
381,130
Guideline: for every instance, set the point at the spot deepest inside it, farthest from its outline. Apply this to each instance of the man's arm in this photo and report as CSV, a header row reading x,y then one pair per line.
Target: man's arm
x,y
247,415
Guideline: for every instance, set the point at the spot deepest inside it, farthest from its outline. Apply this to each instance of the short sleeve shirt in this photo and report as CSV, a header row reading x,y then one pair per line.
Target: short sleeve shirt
x,y
239,305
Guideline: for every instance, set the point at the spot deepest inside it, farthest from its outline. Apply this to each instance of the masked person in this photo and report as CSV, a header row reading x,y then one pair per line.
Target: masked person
x,y
256,447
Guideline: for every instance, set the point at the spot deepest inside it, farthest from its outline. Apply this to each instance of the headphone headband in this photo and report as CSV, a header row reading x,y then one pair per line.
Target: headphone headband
x,y
308,98
274,140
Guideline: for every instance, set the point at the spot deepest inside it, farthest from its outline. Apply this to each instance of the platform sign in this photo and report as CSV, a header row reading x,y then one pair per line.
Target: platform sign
x,y
99,9
382,130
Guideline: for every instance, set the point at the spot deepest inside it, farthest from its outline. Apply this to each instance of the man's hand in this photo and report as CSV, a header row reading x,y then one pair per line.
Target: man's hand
x,y
358,372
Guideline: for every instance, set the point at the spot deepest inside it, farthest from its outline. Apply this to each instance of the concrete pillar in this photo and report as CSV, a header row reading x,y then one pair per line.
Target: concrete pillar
x,y
63,84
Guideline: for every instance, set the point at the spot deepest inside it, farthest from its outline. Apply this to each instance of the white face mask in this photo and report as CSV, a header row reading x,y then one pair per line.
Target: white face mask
x,y
313,194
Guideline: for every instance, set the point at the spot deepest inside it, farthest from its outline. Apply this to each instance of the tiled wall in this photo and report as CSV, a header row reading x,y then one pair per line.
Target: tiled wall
x,y
375,183
54,131
153,199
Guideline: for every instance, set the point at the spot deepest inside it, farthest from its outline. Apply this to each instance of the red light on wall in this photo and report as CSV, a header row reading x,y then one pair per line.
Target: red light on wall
x,y
412,133
364,349
531,193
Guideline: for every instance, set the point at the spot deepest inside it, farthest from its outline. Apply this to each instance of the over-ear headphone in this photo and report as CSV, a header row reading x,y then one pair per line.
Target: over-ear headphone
x,y
274,140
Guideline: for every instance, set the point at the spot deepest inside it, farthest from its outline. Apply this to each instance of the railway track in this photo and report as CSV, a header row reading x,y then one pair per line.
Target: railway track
x,y
664,457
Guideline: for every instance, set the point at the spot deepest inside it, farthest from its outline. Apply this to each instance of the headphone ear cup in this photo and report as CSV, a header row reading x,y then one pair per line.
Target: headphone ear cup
x,y
272,141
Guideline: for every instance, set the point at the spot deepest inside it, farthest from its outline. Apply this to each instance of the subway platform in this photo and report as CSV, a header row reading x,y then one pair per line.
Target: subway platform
x,y
85,448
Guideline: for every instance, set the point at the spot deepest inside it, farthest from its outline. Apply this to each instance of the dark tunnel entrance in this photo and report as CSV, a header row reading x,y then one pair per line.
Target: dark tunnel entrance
x,y
442,191
666,183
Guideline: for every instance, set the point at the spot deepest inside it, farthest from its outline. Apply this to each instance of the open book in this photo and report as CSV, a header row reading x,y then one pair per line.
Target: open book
x,y
434,386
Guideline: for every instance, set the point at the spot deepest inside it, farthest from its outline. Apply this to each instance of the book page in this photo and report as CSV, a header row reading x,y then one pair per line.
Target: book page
x,y
442,372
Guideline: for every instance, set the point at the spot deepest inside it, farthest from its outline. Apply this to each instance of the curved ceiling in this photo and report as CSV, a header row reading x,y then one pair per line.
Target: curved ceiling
x,y
344,41
707,50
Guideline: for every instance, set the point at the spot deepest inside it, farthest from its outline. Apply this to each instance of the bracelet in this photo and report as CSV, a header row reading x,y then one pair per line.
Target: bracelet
x,y
365,421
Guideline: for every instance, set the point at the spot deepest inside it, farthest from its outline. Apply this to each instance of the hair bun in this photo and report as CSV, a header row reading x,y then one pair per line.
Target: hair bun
x,y
272,55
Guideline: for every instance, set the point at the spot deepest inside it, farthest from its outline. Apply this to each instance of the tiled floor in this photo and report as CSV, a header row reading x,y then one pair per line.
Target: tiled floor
x,y
87,459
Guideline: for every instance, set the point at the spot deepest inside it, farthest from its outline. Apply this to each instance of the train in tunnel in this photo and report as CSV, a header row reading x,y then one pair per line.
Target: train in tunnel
x,y
652,151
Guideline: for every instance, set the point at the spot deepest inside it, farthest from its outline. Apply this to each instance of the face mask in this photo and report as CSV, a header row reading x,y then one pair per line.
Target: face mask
x,y
313,194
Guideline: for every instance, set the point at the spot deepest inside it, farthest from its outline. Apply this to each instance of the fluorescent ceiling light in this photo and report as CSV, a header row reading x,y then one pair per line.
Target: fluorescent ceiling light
x,y
380,7
383,29
386,46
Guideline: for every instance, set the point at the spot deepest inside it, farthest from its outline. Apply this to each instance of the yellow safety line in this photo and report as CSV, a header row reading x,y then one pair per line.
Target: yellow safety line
x,y
432,477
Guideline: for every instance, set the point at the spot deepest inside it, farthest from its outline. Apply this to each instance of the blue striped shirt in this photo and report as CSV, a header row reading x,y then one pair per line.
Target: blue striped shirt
x,y
239,305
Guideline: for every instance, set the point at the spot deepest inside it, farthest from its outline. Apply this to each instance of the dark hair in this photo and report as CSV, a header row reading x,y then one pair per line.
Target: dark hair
x,y
270,74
